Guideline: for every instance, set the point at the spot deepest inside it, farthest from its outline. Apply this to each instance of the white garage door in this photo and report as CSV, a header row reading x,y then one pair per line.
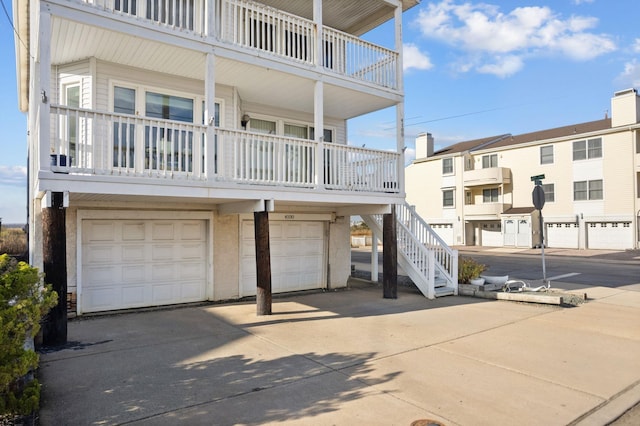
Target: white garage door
x,y
491,234
136,263
609,235
562,235
297,256
444,231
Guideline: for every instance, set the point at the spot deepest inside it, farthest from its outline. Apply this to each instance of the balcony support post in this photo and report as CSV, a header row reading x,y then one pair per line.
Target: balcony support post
x,y
318,123
389,255
210,116
263,263
42,93
317,20
54,256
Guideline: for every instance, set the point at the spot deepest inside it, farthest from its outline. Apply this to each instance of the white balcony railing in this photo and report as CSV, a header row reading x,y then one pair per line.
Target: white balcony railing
x,y
99,143
256,26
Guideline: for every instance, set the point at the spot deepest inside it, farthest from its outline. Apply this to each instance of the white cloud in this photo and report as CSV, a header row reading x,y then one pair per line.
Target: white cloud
x,y
414,58
499,42
636,45
13,175
579,2
503,67
630,77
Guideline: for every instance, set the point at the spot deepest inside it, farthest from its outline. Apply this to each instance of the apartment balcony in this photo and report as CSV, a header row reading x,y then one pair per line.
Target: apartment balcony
x,y
111,147
489,176
260,29
485,211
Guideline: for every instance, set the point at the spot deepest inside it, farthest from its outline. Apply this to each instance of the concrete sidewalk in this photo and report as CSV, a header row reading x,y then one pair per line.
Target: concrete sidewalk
x,y
350,358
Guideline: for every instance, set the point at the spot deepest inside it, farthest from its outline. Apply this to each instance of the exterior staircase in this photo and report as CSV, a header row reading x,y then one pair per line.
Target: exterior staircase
x,y
430,263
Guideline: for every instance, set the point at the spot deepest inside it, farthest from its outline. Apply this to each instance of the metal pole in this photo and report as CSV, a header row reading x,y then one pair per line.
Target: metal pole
x,y
544,269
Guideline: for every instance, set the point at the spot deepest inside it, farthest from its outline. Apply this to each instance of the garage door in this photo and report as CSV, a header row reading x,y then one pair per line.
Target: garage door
x,y
136,263
609,235
444,231
491,234
562,235
297,256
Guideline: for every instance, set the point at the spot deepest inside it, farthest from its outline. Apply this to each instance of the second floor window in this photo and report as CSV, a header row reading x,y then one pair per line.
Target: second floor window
x,y
489,161
546,154
447,166
549,192
490,195
447,198
591,148
587,190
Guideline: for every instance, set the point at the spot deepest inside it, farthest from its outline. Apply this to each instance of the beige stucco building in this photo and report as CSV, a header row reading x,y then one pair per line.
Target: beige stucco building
x,y
479,192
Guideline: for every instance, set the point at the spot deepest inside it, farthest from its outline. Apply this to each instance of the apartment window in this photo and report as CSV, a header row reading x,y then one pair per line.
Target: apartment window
x,y
489,161
549,192
490,195
72,99
262,126
468,199
546,154
124,102
587,149
447,198
447,166
587,190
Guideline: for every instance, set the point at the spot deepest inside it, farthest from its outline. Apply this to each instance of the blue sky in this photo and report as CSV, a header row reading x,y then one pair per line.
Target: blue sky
x,y
472,69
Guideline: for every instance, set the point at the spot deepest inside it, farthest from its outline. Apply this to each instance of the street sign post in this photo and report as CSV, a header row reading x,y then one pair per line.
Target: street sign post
x,y
538,202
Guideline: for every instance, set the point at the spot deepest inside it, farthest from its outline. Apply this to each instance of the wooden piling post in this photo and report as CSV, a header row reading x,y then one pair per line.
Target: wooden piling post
x,y
263,263
389,255
54,254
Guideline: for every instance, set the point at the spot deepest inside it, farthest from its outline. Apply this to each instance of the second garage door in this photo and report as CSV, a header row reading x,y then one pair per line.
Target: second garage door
x,y
138,263
297,256
609,235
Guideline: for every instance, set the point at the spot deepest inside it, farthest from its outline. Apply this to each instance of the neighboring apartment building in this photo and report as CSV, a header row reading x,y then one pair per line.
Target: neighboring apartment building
x,y
162,126
482,189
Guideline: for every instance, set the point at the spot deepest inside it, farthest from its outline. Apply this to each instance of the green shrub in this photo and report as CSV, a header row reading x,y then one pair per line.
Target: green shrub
x,y
24,300
469,268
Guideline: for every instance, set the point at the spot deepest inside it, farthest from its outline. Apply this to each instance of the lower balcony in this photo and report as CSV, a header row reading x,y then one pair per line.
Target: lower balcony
x,y
87,142
485,211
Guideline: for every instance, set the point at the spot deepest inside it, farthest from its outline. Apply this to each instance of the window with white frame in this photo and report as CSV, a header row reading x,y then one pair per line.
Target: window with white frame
x,y
447,166
489,161
448,198
587,149
490,195
546,154
588,190
549,192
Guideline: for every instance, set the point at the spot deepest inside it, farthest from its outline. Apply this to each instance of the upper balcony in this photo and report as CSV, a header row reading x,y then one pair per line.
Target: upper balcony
x,y
109,147
488,176
278,29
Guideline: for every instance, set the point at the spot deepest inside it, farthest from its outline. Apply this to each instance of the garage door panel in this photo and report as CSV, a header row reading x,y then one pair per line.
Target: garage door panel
x,y
101,254
610,235
133,274
562,235
133,263
101,231
133,231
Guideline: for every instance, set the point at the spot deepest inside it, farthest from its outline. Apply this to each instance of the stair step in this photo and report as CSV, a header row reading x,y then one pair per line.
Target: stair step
x,y
444,291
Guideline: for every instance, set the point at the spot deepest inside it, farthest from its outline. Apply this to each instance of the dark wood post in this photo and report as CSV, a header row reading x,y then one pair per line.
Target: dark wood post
x,y
263,263
54,254
389,255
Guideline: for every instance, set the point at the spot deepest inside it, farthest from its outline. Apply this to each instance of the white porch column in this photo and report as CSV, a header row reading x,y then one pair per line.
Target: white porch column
x,y
400,105
210,114
43,88
317,20
318,124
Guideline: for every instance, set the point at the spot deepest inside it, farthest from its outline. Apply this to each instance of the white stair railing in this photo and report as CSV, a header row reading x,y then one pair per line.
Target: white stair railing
x,y
424,256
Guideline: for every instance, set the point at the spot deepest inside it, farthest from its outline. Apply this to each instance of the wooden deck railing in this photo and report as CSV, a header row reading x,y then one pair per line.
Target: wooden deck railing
x,y
99,143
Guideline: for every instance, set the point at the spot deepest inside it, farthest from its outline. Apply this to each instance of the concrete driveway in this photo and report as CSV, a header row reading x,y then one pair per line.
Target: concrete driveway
x,y
348,358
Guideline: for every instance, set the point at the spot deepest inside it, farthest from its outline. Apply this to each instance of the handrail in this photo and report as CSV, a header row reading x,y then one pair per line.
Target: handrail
x,y
102,143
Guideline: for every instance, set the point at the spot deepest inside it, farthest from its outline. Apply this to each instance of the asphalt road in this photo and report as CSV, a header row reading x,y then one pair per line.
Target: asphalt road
x,y
587,271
